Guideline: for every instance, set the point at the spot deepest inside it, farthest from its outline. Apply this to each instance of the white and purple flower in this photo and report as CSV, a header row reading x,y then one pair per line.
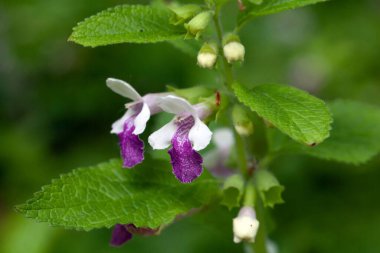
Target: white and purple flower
x,y
134,120
186,133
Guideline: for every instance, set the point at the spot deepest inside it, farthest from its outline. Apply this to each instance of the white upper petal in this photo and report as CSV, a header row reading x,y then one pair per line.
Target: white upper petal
x,y
199,135
118,126
122,88
161,139
141,119
177,106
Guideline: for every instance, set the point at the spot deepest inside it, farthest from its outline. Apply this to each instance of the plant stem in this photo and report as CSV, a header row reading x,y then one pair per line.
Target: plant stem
x,y
227,70
241,155
260,245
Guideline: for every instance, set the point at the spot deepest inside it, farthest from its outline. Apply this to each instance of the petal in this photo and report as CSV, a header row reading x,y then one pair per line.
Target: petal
x,y
131,147
118,126
120,235
141,119
177,106
186,162
161,139
122,88
200,135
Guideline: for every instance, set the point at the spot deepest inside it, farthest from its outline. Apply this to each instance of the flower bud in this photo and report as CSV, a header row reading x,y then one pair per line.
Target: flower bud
x,y
183,12
207,55
197,24
241,120
245,225
232,48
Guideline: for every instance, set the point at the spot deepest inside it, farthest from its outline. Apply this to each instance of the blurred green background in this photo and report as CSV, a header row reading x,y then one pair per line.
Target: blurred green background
x,y
56,112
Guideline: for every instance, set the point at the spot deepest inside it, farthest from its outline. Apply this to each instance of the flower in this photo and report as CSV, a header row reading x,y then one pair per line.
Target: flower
x,y
123,233
133,121
216,159
234,51
245,225
186,133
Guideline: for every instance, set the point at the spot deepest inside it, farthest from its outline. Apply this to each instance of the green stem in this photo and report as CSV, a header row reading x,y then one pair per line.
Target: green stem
x,y
241,155
260,245
227,70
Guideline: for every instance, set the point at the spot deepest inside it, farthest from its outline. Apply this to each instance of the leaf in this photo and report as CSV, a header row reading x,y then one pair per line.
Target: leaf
x,y
104,195
127,23
232,191
273,6
296,113
269,188
355,136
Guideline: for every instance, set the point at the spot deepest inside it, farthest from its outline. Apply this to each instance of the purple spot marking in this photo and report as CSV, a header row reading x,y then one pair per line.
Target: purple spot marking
x,y
186,162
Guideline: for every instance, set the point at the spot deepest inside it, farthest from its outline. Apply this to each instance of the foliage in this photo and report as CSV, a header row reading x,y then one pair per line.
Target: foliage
x,y
105,195
126,23
303,117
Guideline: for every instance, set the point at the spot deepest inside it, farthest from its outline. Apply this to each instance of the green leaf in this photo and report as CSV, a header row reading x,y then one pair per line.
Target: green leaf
x,y
296,113
273,6
127,23
269,188
233,191
104,195
355,135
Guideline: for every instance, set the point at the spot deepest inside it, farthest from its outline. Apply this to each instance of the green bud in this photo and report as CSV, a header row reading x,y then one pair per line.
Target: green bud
x,y
207,55
241,120
198,23
269,188
183,12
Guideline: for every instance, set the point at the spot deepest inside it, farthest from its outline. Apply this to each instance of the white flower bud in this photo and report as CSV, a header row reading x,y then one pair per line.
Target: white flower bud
x,y
245,225
234,51
207,56
206,60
